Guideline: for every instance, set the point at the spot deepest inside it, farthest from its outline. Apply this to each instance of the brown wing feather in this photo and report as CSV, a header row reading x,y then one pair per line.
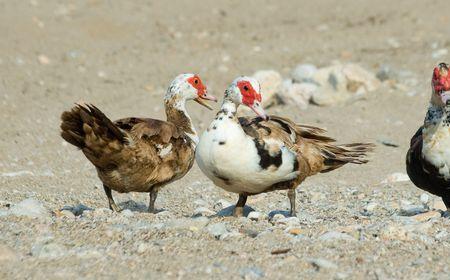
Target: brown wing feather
x,y
126,152
311,145
147,128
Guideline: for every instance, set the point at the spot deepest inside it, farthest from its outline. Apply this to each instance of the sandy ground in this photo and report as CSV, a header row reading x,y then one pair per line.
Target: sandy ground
x,y
121,55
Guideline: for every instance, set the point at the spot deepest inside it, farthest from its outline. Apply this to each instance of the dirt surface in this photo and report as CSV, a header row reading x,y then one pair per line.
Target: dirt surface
x,y
121,55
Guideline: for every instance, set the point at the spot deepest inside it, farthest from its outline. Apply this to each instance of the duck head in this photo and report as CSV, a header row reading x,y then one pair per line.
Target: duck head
x,y
440,84
188,87
246,91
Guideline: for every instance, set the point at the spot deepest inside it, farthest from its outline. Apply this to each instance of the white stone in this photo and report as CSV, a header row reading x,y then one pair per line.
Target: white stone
x,y
340,82
127,213
203,211
323,264
256,216
67,214
29,208
370,207
217,230
304,73
221,204
424,198
296,94
142,248
289,221
43,59
270,82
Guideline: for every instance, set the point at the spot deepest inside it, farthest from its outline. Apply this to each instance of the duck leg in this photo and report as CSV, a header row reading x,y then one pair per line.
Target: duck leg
x,y
151,205
239,208
112,204
291,195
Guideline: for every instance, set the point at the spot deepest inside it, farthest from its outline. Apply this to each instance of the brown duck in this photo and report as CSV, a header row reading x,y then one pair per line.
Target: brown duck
x,y
139,154
428,158
249,156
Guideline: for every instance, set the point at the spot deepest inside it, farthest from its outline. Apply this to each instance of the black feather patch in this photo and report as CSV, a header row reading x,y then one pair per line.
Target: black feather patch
x,y
266,160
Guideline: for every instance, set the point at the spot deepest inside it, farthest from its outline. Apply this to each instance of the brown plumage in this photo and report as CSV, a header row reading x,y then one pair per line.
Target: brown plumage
x,y
136,154
315,152
250,155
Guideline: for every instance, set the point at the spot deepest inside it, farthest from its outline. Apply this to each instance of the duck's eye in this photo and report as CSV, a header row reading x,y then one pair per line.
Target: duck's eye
x,y
196,81
246,88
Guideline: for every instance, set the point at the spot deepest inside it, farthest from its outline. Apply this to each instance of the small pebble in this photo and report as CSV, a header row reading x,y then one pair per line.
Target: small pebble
x,y
256,216
217,230
424,198
43,59
323,264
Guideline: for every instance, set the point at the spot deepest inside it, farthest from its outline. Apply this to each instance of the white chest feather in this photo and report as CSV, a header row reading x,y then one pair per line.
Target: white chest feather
x,y
436,144
231,160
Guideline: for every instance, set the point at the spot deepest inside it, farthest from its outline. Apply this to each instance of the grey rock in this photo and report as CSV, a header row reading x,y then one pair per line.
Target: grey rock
x,y
385,73
340,82
296,94
304,73
77,210
411,210
29,208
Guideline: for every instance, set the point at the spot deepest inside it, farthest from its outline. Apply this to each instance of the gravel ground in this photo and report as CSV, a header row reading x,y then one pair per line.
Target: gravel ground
x,y
358,222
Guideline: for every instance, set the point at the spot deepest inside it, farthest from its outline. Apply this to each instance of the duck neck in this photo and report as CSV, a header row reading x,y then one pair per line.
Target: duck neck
x,y
437,116
176,113
228,108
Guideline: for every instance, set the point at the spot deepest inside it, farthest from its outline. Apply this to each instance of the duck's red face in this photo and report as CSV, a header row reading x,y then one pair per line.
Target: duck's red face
x,y
202,92
441,78
251,98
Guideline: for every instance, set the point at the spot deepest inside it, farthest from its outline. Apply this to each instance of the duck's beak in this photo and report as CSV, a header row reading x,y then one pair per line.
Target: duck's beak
x,y
258,109
205,96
